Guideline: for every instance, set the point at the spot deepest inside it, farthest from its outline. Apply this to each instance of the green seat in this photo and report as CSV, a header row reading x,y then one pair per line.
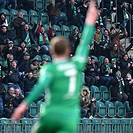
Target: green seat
x,y
97,95
87,125
111,110
46,26
93,88
57,29
103,88
37,57
95,58
39,104
101,58
101,109
33,110
33,16
97,126
106,96
14,14
39,5
108,128
126,125
62,14
46,3
128,108
120,109
73,27
17,127
66,31
117,128
44,17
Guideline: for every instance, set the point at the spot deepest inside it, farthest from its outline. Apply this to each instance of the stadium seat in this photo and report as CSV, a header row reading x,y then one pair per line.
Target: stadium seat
x,y
46,26
87,125
33,16
33,110
120,109
108,128
93,88
128,109
103,88
106,95
101,58
39,104
44,17
39,5
72,27
66,30
101,109
97,95
46,3
111,110
57,29
95,58
14,14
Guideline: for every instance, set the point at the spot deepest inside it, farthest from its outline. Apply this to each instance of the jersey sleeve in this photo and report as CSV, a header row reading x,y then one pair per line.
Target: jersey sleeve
x,y
42,83
84,46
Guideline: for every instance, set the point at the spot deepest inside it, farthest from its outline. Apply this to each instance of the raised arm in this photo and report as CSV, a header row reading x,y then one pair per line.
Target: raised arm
x,y
87,35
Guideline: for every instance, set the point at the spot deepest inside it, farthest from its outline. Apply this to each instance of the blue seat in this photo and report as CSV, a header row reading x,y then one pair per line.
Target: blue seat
x,y
97,126
126,125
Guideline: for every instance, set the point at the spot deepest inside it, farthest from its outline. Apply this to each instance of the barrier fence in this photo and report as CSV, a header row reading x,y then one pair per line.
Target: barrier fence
x,y
96,125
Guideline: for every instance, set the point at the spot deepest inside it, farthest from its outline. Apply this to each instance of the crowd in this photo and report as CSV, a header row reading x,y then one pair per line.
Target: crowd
x,y
108,63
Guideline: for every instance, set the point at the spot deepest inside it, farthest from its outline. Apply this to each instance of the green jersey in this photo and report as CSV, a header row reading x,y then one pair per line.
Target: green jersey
x,y
63,78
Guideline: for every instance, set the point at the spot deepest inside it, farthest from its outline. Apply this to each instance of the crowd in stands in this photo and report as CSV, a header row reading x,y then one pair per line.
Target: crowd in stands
x,y
25,53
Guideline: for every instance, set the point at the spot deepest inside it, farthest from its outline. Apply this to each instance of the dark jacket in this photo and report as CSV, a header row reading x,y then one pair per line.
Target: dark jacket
x,y
5,36
17,25
29,83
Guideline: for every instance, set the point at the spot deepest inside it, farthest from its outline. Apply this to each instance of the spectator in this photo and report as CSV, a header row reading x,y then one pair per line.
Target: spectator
x,y
29,82
35,67
24,65
105,73
3,20
115,53
114,67
72,12
62,6
74,39
54,13
105,42
9,49
114,37
18,24
118,88
87,105
129,88
27,36
5,36
13,77
81,12
43,38
125,65
91,72
17,98
97,42
8,99
129,27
